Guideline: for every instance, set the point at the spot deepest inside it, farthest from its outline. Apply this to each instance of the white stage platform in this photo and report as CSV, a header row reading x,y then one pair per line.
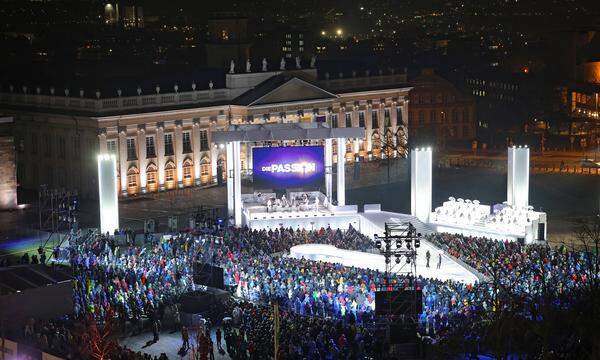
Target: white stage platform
x,y
449,270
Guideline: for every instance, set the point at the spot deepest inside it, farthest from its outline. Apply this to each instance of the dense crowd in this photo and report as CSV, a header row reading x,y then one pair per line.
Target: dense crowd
x,y
532,270
326,308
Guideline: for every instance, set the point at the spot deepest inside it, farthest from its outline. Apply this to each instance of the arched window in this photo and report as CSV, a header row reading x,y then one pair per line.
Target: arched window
x,y
188,172
170,175
151,177
132,180
204,171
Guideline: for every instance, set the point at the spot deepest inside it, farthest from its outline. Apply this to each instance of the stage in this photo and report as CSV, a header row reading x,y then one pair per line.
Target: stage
x,y
449,269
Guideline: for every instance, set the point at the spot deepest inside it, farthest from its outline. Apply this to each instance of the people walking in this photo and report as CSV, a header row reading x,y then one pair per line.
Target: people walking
x,y
428,256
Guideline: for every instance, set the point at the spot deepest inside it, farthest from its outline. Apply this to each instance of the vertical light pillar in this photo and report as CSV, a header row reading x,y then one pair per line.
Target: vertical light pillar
x,y
230,160
179,152
341,172
420,183
237,182
123,159
160,154
196,150
329,169
107,193
517,192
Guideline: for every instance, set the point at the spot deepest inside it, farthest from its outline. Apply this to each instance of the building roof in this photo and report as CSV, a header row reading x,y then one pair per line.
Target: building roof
x,y
24,277
283,88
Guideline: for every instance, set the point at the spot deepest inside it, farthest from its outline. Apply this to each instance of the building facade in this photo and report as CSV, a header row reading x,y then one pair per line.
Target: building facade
x,y
439,113
163,141
8,177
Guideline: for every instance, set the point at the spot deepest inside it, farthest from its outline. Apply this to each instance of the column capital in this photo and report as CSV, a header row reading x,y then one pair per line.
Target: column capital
x,y
141,128
102,132
196,122
178,123
122,130
160,125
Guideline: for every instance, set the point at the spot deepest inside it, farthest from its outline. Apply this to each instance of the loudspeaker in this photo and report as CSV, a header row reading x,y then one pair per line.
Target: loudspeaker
x,y
403,333
398,302
208,275
541,232
202,302
149,226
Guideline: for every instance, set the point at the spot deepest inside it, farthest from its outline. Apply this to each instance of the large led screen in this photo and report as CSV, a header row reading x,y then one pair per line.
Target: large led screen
x,y
288,167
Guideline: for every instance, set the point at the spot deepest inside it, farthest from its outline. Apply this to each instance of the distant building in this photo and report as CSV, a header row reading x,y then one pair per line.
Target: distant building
x,y
8,171
227,39
439,113
133,16
284,41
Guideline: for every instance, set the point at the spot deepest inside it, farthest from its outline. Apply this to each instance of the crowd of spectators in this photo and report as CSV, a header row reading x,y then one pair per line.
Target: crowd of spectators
x,y
327,309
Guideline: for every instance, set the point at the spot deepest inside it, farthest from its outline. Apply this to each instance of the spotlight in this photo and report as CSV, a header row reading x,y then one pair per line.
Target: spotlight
x,y
408,260
417,243
387,260
378,244
398,260
398,244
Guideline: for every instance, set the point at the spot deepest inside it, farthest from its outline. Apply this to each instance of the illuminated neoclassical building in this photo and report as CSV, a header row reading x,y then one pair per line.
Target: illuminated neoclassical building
x,y
163,140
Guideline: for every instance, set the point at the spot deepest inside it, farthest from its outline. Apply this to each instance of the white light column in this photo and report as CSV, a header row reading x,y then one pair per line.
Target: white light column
x,y
329,169
107,193
237,182
420,183
341,172
230,195
517,192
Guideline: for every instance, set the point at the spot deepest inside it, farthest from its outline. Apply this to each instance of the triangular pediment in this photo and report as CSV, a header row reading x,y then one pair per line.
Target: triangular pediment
x,y
293,90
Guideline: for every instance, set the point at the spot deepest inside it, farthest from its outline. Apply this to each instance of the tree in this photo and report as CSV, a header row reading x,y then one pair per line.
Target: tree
x,y
392,144
98,340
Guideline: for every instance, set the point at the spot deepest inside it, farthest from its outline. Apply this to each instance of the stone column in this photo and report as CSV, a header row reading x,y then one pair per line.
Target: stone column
x,y
160,154
369,128
342,117
102,143
237,182
196,150
179,152
355,142
341,174
123,158
404,110
141,143
214,156
248,156
329,169
230,192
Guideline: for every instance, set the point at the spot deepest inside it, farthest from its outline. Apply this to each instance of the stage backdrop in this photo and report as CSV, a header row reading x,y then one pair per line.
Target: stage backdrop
x,y
288,167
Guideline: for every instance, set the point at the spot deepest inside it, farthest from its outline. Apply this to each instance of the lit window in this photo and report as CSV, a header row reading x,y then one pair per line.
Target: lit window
x,y
150,149
187,143
203,140
111,146
131,153
168,144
